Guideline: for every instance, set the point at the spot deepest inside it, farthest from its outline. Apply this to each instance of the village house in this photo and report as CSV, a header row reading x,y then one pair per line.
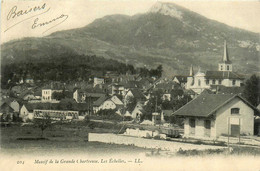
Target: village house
x,y
180,79
9,108
138,111
26,112
47,93
136,94
105,102
87,95
118,89
213,115
29,95
98,81
166,88
224,76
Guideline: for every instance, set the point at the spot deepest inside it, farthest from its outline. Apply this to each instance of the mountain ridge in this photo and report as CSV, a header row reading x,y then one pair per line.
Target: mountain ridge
x,y
150,39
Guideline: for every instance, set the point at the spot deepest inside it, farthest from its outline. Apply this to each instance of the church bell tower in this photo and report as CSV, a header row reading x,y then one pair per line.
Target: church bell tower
x,y
225,64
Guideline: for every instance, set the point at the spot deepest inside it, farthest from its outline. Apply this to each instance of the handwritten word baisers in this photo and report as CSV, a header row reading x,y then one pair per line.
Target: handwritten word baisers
x,y
14,13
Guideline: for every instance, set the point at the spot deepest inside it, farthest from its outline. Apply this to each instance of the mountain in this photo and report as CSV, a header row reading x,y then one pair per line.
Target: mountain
x,y
167,34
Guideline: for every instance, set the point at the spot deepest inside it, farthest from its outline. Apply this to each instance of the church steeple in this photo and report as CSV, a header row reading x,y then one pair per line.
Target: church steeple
x,y
225,64
225,58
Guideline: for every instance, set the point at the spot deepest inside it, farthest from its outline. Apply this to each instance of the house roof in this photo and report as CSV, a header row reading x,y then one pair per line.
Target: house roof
x,y
181,78
223,75
220,89
26,92
190,91
2,107
166,85
137,93
91,92
38,93
56,106
206,104
100,100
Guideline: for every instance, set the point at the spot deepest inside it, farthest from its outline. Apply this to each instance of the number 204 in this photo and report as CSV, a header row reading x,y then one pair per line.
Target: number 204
x,y
20,162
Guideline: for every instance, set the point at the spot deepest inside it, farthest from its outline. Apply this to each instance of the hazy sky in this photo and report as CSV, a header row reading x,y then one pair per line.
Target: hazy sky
x,y
78,13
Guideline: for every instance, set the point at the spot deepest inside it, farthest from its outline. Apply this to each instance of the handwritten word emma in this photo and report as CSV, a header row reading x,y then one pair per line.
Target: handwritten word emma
x,y
37,24
14,13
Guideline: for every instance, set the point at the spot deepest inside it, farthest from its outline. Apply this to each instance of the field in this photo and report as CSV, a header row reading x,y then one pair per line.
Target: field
x,y
63,138
72,138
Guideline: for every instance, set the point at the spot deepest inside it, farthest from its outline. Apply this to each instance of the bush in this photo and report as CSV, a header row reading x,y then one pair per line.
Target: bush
x,y
177,120
17,119
91,125
128,118
87,119
109,114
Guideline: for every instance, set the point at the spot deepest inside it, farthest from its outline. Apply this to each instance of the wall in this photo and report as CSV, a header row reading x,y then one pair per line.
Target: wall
x,y
108,105
246,117
186,127
199,128
228,83
224,67
46,95
116,100
25,114
75,96
146,143
196,87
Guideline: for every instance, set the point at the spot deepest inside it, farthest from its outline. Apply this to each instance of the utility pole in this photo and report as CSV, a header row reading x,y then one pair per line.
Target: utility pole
x,y
155,103
239,132
228,132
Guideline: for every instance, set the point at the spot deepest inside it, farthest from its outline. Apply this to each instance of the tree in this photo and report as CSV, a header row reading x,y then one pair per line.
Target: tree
x,y
252,90
43,122
67,103
58,95
153,105
159,70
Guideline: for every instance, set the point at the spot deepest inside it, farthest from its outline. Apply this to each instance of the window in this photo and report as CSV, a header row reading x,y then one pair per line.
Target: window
x,y
228,67
221,67
235,111
220,82
192,123
234,82
199,82
207,124
192,126
213,81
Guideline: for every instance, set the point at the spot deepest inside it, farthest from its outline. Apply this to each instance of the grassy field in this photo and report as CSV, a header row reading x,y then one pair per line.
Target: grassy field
x,y
60,138
72,138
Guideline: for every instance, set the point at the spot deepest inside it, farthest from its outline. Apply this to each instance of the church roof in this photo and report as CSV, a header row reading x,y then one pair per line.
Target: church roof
x,y
223,75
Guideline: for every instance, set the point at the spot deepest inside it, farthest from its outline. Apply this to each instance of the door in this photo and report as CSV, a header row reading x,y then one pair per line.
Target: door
x,y
207,126
192,126
235,129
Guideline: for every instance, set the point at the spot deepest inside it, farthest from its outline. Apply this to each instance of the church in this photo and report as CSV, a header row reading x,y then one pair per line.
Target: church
x,y
206,80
